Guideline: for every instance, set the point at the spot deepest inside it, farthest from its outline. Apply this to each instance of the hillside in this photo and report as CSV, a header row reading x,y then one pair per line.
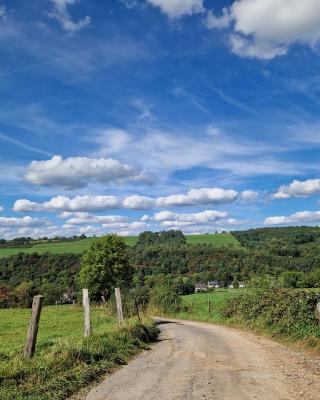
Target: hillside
x,y
79,246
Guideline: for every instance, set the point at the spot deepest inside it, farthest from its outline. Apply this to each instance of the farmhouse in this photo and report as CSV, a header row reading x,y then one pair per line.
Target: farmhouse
x,y
213,284
200,287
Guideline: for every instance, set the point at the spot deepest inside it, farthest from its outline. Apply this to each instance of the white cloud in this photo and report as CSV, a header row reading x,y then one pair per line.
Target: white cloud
x,y
136,202
298,189
78,172
301,217
244,47
249,195
212,21
160,151
168,218
64,203
178,8
96,219
197,197
61,14
267,28
21,222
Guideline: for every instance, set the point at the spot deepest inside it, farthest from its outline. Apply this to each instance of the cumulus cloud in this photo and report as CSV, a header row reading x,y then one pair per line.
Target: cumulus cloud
x,y
61,14
136,202
178,8
249,195
8,222
197,197
300,217
64,205
298,189
267,28
78,172
87,218
168,218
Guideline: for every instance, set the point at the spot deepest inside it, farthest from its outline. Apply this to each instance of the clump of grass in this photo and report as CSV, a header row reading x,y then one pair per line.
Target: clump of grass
x,y
59,370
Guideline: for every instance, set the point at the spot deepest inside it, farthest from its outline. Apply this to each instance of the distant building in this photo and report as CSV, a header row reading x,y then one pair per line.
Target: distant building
x,y
200,287
230,286
213,284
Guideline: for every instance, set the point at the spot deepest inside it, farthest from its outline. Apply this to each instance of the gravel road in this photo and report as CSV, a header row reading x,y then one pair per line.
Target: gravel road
x,y
198,361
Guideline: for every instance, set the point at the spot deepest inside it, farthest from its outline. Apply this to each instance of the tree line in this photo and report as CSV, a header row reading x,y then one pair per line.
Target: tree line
x,y
289,255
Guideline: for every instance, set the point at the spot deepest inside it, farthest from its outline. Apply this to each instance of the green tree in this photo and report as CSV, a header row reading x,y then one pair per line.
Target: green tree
x,y
105,265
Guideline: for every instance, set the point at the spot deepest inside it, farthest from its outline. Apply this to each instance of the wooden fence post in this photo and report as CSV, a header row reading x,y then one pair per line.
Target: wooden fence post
x,y
137,309
33,326
86,312
119,305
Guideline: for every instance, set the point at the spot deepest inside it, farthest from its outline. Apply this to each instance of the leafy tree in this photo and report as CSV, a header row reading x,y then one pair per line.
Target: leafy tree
x,y
24,294
105,265
292,279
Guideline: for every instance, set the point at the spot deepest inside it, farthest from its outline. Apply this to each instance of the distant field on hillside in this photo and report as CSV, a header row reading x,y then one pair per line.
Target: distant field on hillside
x,y
79,246
221,239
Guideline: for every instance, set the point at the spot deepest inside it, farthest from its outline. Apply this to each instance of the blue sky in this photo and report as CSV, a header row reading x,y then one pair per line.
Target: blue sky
x,y
130,115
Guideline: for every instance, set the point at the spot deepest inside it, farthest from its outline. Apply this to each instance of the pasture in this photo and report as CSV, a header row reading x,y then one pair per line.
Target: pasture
x,y
195,306
79,246
64,361
57,322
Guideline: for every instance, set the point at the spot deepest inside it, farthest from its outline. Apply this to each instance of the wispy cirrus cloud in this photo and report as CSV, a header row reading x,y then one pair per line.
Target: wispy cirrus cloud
x,y
61,13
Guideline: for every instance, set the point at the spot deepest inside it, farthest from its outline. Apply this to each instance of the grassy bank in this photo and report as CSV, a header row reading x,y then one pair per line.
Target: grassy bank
x,y
79,246
64,360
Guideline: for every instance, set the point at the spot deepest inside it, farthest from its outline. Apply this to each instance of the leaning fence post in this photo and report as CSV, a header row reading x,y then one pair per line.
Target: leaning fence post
x,y
86,312
119,305
33,326
318,310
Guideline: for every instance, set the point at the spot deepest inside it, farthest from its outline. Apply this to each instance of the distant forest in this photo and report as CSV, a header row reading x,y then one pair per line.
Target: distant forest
x,y
291,254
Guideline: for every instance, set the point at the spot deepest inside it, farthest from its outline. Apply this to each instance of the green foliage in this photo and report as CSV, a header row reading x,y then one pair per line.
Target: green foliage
x,y
283,312
165,237
165,298
283,237
105,265
292,279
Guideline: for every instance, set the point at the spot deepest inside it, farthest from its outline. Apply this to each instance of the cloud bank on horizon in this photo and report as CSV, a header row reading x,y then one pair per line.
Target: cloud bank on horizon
x,y
138,115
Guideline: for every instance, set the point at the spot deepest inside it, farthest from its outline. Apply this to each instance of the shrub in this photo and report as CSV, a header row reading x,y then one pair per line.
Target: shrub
x,y
285,312
165,298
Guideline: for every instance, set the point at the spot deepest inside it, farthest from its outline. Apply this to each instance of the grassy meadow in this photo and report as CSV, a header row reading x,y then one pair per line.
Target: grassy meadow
x,y
57,322
64,361
79,246
195,306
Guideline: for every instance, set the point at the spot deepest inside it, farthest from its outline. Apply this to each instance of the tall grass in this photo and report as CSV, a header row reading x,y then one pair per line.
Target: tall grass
x,y
64,361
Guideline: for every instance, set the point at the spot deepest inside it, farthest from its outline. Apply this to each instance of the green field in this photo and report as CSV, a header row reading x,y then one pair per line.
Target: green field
x,y
64,361
57,322
79,246
196,307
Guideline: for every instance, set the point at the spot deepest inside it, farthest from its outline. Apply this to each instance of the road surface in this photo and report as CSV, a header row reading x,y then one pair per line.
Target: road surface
x,y
199,361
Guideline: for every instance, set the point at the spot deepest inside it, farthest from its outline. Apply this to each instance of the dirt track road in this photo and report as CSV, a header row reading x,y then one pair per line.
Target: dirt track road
x,y
198,361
